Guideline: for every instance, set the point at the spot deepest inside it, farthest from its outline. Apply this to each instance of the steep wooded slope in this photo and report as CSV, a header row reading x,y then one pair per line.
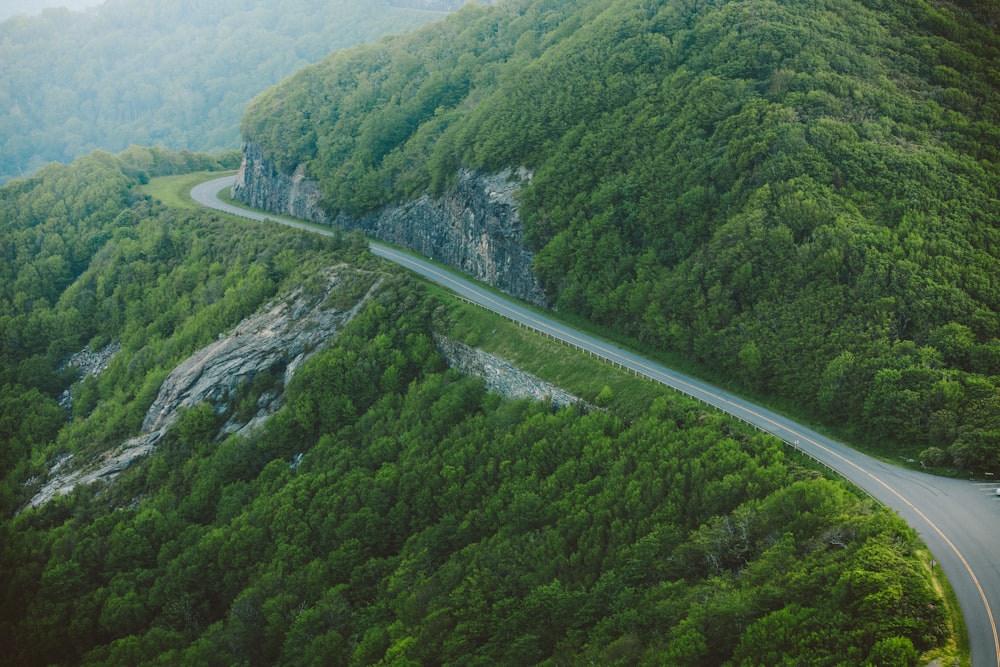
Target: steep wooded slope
x,y
800,197
391,511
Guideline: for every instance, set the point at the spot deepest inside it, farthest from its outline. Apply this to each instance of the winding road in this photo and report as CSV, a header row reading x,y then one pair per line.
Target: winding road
x,y
958,520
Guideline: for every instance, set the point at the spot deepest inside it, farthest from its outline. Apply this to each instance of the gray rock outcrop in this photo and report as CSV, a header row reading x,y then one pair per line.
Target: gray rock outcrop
x,y
259,184
502,377
475,227
87,363
276,340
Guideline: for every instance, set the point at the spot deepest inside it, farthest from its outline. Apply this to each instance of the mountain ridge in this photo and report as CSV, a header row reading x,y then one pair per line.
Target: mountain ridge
x,y
792,199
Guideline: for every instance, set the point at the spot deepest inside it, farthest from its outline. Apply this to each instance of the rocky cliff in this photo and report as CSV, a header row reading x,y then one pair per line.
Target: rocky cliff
x,y
277,340
475,228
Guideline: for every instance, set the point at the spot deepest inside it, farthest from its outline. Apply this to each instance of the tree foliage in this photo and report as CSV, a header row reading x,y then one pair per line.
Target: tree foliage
x,y
88,261
419,519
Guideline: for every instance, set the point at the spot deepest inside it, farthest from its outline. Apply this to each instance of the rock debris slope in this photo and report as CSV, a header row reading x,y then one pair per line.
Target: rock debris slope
x,y
502,377
277,340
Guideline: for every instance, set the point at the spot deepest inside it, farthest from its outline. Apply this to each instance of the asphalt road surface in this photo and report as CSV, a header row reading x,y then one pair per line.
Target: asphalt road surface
x,y
958,520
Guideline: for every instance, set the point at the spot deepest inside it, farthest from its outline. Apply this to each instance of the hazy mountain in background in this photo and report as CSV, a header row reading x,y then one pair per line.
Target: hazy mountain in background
x,y
10,8
172,74
433,5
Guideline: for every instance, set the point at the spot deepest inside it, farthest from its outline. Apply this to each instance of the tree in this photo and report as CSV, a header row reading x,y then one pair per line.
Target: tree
x,y
894,652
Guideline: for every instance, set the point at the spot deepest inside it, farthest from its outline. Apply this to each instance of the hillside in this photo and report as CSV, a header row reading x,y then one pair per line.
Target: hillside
x,y
798,198
178,75
390,511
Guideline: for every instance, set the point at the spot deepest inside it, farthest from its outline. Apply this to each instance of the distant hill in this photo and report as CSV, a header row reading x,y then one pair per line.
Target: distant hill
x,y
433,5
172,74
10,8
799,197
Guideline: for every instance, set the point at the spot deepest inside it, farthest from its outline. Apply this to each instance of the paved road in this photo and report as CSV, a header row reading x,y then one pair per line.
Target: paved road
x,y
958,520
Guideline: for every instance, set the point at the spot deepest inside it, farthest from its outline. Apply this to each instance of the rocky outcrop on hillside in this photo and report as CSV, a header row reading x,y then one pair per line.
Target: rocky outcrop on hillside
x,y
502,377
87,363
276,341
259,184
475,227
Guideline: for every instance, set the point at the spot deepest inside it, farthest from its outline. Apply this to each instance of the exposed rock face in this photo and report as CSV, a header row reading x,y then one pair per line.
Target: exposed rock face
x,y
475,228
93,363
261,185
501,377
276,340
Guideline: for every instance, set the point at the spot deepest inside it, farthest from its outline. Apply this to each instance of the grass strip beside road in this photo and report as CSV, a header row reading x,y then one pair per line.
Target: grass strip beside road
x,y
175,191
552,361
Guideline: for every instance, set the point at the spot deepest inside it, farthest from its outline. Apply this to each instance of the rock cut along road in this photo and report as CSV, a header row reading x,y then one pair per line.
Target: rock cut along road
x,y
958,520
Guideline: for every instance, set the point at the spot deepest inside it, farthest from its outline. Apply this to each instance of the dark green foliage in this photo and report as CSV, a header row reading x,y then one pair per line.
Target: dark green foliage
x,y
395,513
433,523
392,511
800,197
29,420
178,74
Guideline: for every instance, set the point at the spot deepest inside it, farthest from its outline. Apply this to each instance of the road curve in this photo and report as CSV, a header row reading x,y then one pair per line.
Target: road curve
x,y
958,520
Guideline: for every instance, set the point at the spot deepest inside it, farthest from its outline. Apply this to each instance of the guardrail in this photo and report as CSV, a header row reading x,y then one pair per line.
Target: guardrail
x,y
638,373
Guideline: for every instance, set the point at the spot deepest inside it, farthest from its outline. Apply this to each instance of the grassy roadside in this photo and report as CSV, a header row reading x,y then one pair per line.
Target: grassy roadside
x,y
564,366
175,191
956,651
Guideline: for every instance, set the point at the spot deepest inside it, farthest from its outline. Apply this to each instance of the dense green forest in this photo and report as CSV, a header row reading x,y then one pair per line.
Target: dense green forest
x,y
87,261
801,198
177,74
393,512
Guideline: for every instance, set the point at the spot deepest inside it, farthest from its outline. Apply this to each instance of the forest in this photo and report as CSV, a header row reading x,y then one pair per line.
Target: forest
x,y
176,74
800,199
393,512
